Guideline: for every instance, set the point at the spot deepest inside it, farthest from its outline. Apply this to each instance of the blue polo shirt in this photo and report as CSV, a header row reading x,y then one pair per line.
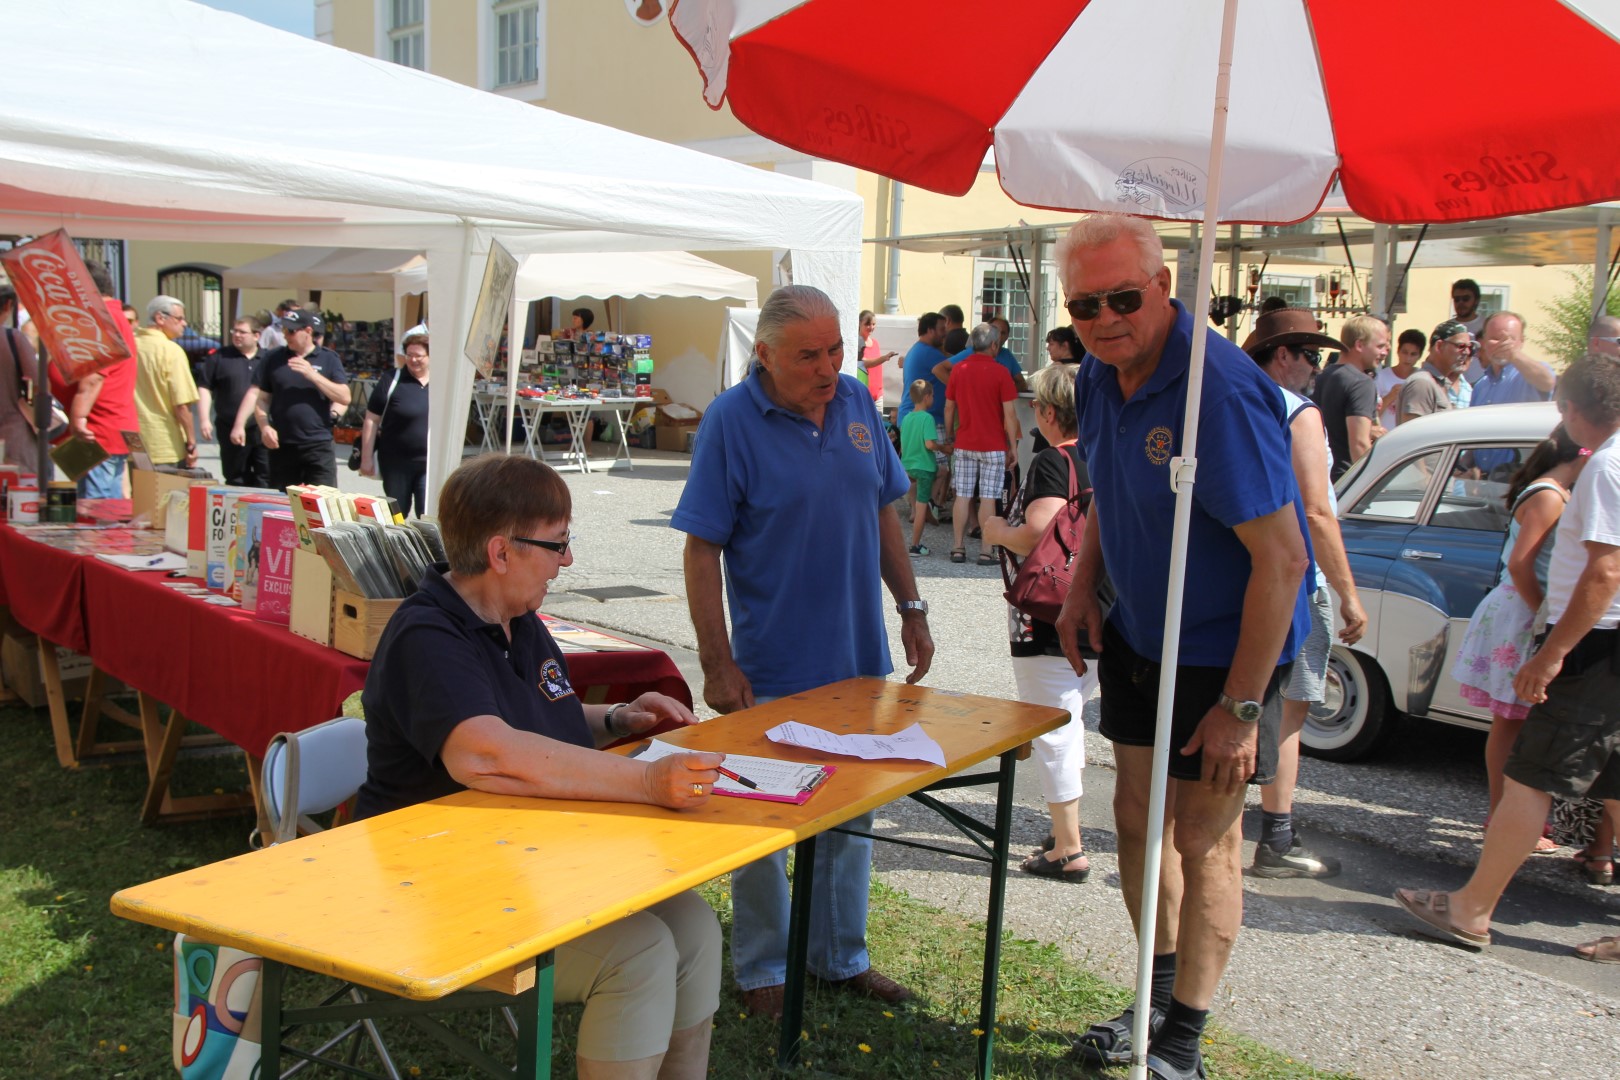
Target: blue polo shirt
x,y
794,508
1244,472
1507,388
920,363
438,664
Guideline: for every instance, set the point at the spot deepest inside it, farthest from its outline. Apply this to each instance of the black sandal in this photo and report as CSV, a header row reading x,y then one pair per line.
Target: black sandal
x,y
1040,866
1109,1042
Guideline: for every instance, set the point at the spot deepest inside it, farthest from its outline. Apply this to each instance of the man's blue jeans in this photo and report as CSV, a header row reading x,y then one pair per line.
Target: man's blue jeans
x,y
761,900
105,481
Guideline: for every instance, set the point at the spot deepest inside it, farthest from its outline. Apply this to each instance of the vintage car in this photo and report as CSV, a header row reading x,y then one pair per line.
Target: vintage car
x,y
1424,524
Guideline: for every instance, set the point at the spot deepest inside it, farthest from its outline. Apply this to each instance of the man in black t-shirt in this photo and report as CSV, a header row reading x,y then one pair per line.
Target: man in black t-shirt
x,y
224,379
292,396
1347,392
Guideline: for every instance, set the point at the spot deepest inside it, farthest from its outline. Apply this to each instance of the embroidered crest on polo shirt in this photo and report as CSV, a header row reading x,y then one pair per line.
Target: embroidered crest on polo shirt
x,y
1158,443
553,683
861,436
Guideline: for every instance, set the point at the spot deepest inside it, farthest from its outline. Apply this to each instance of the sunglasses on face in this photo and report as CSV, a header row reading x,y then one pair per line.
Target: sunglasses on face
x,y
1312,357
559,546
1119,301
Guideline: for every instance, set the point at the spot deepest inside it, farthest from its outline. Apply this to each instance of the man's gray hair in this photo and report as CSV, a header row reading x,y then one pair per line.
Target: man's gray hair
x,y
1501,315
791,304
1096,230
162,305
1604,326
985,338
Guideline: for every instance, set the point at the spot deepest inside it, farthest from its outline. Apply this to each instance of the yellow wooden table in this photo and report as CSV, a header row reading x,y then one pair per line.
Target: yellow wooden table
x,y
473,888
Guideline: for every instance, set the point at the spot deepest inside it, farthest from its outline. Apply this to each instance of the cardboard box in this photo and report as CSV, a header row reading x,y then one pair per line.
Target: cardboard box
x,y
19,663
357,623
310,614
674,424
146,487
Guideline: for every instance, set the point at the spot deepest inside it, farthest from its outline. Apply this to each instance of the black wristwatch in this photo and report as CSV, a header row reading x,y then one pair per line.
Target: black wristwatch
x,y
607,720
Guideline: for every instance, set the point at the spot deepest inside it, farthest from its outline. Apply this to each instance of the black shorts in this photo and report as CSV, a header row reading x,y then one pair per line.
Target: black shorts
x,y
1570,743
1130,702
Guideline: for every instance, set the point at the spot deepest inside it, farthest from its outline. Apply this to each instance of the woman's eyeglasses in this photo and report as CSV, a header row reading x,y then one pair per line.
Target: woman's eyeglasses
x,y
1119,301
559,546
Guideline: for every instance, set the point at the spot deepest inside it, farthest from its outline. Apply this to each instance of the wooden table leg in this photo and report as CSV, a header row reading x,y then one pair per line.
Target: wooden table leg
x,y
51,675
163,742
95,706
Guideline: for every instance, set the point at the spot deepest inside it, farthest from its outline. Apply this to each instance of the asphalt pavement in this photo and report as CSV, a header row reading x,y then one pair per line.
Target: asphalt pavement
x,y
1325,971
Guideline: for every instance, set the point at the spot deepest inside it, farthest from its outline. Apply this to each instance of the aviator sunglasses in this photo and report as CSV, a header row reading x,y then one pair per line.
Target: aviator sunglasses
x,y
1119,301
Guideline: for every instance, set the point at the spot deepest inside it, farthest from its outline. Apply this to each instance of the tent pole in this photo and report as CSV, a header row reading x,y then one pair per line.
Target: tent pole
x,y
1601,268
1235,262
1378,285
1182,474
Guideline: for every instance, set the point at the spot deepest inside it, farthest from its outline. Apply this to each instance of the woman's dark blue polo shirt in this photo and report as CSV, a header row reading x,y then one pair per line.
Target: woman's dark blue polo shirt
x,y
438,664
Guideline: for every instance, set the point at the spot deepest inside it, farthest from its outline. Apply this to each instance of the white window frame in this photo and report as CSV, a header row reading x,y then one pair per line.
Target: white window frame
x,y
527,91
387,34
1289,281
1494,298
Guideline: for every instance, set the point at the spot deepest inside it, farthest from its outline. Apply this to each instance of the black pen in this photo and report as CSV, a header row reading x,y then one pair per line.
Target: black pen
x,y
743,780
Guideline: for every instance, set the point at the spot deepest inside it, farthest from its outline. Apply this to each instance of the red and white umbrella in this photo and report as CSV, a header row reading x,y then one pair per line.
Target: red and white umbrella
x,y
1187,110
1427,111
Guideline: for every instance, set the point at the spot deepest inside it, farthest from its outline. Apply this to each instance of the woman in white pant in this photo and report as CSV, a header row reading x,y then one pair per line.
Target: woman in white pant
x,y
1043,676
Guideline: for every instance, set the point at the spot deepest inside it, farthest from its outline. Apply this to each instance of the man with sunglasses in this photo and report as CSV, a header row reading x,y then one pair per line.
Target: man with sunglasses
x,y
1347,392
1603,337
1428,389
1244,613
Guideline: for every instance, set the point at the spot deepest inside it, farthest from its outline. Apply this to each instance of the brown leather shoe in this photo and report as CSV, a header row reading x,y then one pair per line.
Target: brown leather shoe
x,y
874,984
764,1001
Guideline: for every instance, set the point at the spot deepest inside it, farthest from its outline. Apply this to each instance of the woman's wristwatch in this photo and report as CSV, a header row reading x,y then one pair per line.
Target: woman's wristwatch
x,y
607,720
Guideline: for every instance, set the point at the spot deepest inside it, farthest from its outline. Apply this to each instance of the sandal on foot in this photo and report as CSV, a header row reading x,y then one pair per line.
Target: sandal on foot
x,y
958,555
1109,1042
1039,865
1160,1069
1046,845
989,558
1432,910
1605,950
1598,871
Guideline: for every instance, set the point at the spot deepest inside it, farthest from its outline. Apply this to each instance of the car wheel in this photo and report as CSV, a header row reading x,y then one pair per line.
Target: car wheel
x,y
1355,716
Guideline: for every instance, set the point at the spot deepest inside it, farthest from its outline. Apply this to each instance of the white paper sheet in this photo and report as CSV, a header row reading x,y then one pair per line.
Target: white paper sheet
x,y
166,561
910,744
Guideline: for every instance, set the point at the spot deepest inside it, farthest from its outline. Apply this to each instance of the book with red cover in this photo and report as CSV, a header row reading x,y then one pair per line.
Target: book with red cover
x,y
278,540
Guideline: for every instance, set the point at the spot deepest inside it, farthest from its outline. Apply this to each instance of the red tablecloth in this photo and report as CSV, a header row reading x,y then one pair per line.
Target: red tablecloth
x,y
245,679
43,587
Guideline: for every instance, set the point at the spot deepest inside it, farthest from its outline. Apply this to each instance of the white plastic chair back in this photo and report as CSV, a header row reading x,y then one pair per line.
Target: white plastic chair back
x,y
312,771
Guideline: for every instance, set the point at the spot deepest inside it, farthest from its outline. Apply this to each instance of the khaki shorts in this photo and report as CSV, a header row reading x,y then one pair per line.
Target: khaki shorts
x,y
1570,743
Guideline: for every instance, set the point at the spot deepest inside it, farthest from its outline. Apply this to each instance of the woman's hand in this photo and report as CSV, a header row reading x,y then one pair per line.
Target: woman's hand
x,y
647,712
682,781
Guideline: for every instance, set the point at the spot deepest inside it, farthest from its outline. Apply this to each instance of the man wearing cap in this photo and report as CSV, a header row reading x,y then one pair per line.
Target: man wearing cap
x,y
292,396
1427,390
1287,347
1510,375
1347,392
271,337
1603,337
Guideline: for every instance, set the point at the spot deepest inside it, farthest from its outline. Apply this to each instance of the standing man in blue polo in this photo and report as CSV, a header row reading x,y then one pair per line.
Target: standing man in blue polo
x,y
1244,618
292,396
789,504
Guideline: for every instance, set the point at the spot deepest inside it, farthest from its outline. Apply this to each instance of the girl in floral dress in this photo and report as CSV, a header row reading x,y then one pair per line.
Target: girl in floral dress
x,y
1500,636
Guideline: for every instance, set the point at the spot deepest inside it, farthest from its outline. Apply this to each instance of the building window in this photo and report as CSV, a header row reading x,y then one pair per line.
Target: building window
x,y
407,39
1492,298
1002,295
1298,290
517,43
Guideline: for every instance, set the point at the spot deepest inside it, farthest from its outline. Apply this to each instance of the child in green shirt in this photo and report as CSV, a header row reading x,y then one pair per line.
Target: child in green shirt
x,y
919,441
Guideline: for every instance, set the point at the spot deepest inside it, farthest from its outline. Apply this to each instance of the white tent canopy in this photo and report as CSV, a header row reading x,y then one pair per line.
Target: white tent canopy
x,y
326,268
599,275
105,134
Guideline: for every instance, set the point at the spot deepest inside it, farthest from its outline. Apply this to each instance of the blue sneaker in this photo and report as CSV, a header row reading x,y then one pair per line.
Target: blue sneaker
x,y
918,551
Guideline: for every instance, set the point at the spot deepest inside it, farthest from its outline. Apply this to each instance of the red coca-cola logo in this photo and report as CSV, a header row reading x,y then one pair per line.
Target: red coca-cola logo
x,y
73,322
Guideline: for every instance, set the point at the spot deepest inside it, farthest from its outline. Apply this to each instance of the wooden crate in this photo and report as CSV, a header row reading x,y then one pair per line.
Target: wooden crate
x,y
357,623
312,597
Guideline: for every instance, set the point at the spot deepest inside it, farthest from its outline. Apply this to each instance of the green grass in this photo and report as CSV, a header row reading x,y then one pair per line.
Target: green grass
x,y
83,994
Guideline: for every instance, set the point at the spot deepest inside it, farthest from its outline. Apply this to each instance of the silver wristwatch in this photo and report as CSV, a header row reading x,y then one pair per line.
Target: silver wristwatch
x,y
1246,711
912,605
607,720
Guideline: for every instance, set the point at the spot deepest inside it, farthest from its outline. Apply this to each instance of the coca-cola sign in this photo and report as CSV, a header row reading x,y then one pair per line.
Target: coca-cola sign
x,y
74,324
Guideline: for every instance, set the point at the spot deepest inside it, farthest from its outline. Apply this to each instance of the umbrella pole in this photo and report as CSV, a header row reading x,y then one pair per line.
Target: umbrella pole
x,y
1182,470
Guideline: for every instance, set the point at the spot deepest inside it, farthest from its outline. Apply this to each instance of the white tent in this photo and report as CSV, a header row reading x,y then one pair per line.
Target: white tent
x,y
104,133
326,268
599,275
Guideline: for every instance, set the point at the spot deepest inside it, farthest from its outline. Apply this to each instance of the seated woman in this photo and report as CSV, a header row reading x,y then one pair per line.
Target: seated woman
x,y
468,690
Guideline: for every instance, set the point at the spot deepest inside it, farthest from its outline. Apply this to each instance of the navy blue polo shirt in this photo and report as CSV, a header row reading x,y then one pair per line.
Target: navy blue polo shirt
x,y
794,508
1244,472
438,664
920,364
299,412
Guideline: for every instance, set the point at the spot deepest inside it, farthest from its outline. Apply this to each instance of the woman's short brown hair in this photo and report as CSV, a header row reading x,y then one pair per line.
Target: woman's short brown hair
x,y
497,495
